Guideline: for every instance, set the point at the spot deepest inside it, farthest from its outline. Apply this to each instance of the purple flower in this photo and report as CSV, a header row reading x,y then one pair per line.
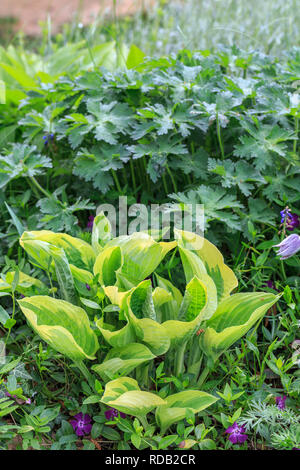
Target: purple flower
x,y
280,402
47,137
90,223
289,246
88,287
269,284
237,435
82,424
285,213
112,413
291,220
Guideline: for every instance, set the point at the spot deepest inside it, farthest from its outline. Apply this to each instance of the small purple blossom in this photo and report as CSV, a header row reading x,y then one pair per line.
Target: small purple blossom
x,y
290,219
47,137
81,424
88,287
293,222
90,223
280,402
237,435
289,246
112,413
270,284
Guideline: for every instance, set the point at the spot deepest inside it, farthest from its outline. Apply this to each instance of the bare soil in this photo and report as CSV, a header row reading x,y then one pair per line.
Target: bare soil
x,y
28,13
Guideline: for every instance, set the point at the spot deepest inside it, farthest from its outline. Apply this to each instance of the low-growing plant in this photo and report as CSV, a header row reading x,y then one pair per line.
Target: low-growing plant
x,y
108,304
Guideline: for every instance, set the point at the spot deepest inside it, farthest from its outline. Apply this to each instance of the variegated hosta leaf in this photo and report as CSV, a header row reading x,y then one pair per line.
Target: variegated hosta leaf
x,y
160,296
125,395
101,232
177,405
223,277
26,285
115,296
195,299
107,263
78,252
117,338
192,310
169,310
51,258
147,330
62,325
151,333
81,275
193,266
141,255
123,360
141,301
83,281
123,282
234,317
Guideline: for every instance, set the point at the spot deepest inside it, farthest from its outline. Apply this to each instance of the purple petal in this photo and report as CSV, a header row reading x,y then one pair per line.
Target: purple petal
x,y
87,419
232,428
74,424
87,428
242,438
233,438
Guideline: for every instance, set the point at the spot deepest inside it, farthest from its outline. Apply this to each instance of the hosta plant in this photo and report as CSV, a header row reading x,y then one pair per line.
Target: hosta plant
x,y
110,305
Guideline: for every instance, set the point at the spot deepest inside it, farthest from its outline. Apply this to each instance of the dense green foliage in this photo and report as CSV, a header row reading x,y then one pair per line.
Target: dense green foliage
x,y
174,333
218,129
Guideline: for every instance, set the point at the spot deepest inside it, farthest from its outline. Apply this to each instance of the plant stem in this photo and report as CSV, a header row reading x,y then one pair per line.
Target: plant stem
x,y
132,174
84,370
143,420
165,184
172,178
146,173
44,191
220,138
195,352
179,359
296,140
116,180
142,374
12,316
39,187
203,376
